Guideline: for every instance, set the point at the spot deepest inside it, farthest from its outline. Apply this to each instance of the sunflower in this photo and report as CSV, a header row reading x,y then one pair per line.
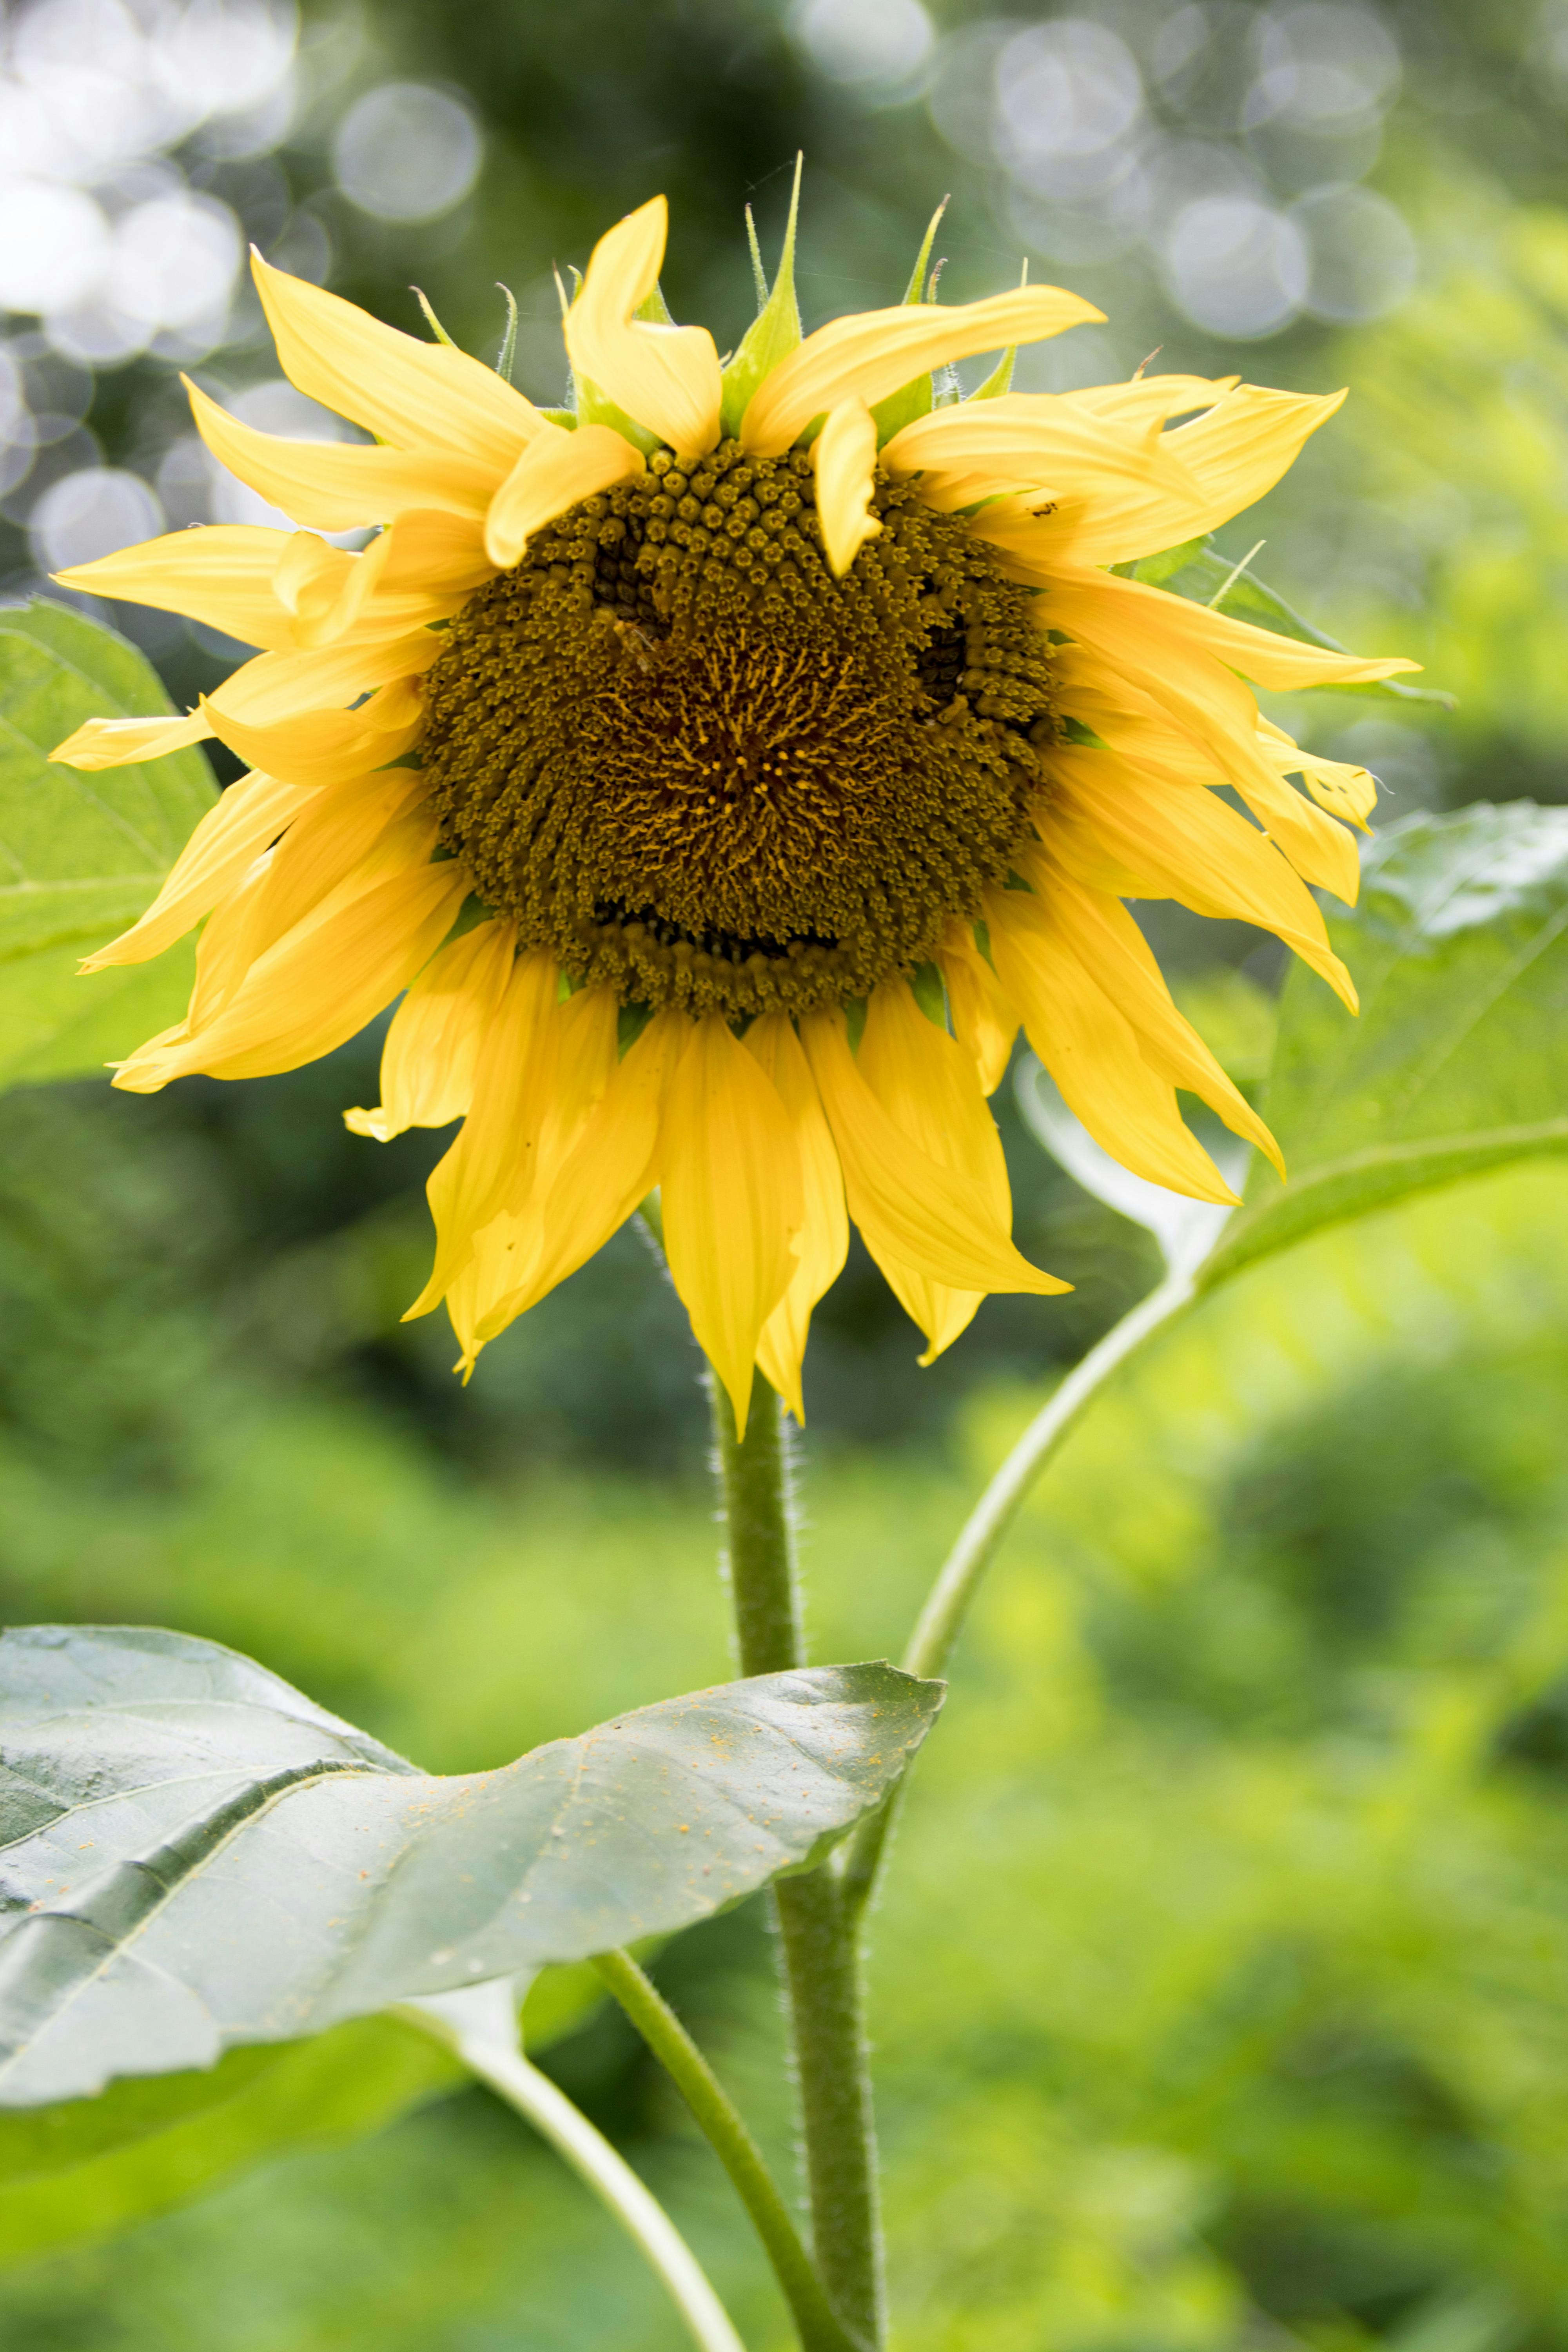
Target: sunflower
x,y
721,772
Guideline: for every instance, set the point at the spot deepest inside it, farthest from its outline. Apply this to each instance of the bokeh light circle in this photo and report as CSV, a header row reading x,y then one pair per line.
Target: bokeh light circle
x,y
1235,265
406,152
1363,258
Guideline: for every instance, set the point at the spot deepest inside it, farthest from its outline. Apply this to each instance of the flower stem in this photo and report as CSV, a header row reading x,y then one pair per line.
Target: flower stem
x,y
480,2026
665,2036
980,1539
823,1982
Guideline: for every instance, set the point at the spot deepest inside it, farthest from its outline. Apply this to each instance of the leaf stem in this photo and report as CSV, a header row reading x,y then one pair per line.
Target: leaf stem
x,y
736,2149
980,1538
823,1981
472,2025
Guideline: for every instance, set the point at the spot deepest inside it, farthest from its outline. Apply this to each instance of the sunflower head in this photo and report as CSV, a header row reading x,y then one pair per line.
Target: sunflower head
x,y
722,774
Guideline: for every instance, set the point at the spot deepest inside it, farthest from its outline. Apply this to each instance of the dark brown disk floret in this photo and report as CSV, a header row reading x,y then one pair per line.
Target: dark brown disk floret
x,y
699,767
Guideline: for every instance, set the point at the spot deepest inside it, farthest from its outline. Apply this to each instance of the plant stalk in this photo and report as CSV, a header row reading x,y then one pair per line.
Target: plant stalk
x,y
726,2131
980,1539
818,1933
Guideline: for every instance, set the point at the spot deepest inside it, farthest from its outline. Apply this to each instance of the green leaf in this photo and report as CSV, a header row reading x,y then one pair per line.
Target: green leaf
x,y
197,1856
1458,1061
81,855
773,334
90,2167
1195,570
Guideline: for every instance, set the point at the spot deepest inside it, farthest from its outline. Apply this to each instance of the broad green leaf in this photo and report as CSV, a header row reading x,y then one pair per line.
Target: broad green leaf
x,y
773,334
1197,571
198,1856
90,2166
1458,1061
81,855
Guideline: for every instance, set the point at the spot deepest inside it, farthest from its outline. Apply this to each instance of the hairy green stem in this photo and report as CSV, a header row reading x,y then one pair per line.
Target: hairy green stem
x,y
980,1539
816,1929
726,2131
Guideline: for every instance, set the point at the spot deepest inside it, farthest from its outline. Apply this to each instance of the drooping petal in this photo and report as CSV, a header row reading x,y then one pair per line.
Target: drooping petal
x,y
417,396
1343,789
845,457
609,1170
911,1210
668,378
1106,940
1091,1051
931,1090
250,817
470,1185
553,472
985,1021
222,574
328,747
431,1050
824,1230
730,1182
1037,443
872,352
337,484
317,988
1122,616
124,743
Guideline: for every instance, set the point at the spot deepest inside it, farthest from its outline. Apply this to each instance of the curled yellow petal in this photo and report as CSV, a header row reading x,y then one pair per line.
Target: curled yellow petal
x,y
931,1090
432,1049
666,377
844,459
328,747
1091,1051
872,352
316,989
825,1229
247,820
414,394
912,1212
338,485
985,1019
125,742
729,1184
222,574
553,472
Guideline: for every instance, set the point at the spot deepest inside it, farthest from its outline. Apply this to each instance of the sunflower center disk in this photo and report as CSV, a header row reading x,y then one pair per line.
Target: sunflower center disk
x,y
700,769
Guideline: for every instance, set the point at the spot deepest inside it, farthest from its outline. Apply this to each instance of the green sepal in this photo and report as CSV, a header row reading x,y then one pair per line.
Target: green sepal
x,y
1000,379
918,397
929,995
565,417
508,351
431,320
655,308
595,407
773,333
1197,571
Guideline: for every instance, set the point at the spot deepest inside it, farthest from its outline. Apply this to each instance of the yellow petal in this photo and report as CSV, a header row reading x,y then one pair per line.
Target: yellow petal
x,y
931,1090
123,742
1108,943
416,395
553,472
338,485
824,1230
512,1079
1092,1052
667,378
985,1019
1153,398
845,459
247,819
222,574
911,1213
421,568
730,1187
1114,613
1228,459
317,988
1024,441
431,1050
1346,792
328,747
276,687
608,1172
872,352
1181,843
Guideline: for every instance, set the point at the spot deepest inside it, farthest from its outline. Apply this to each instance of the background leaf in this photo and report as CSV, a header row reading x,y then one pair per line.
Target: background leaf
x,y
1456,1064
90,2167
198,1856
81,855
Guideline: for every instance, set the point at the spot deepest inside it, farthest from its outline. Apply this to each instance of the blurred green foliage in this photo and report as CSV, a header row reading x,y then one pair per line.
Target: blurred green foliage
x,y
1220,1983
